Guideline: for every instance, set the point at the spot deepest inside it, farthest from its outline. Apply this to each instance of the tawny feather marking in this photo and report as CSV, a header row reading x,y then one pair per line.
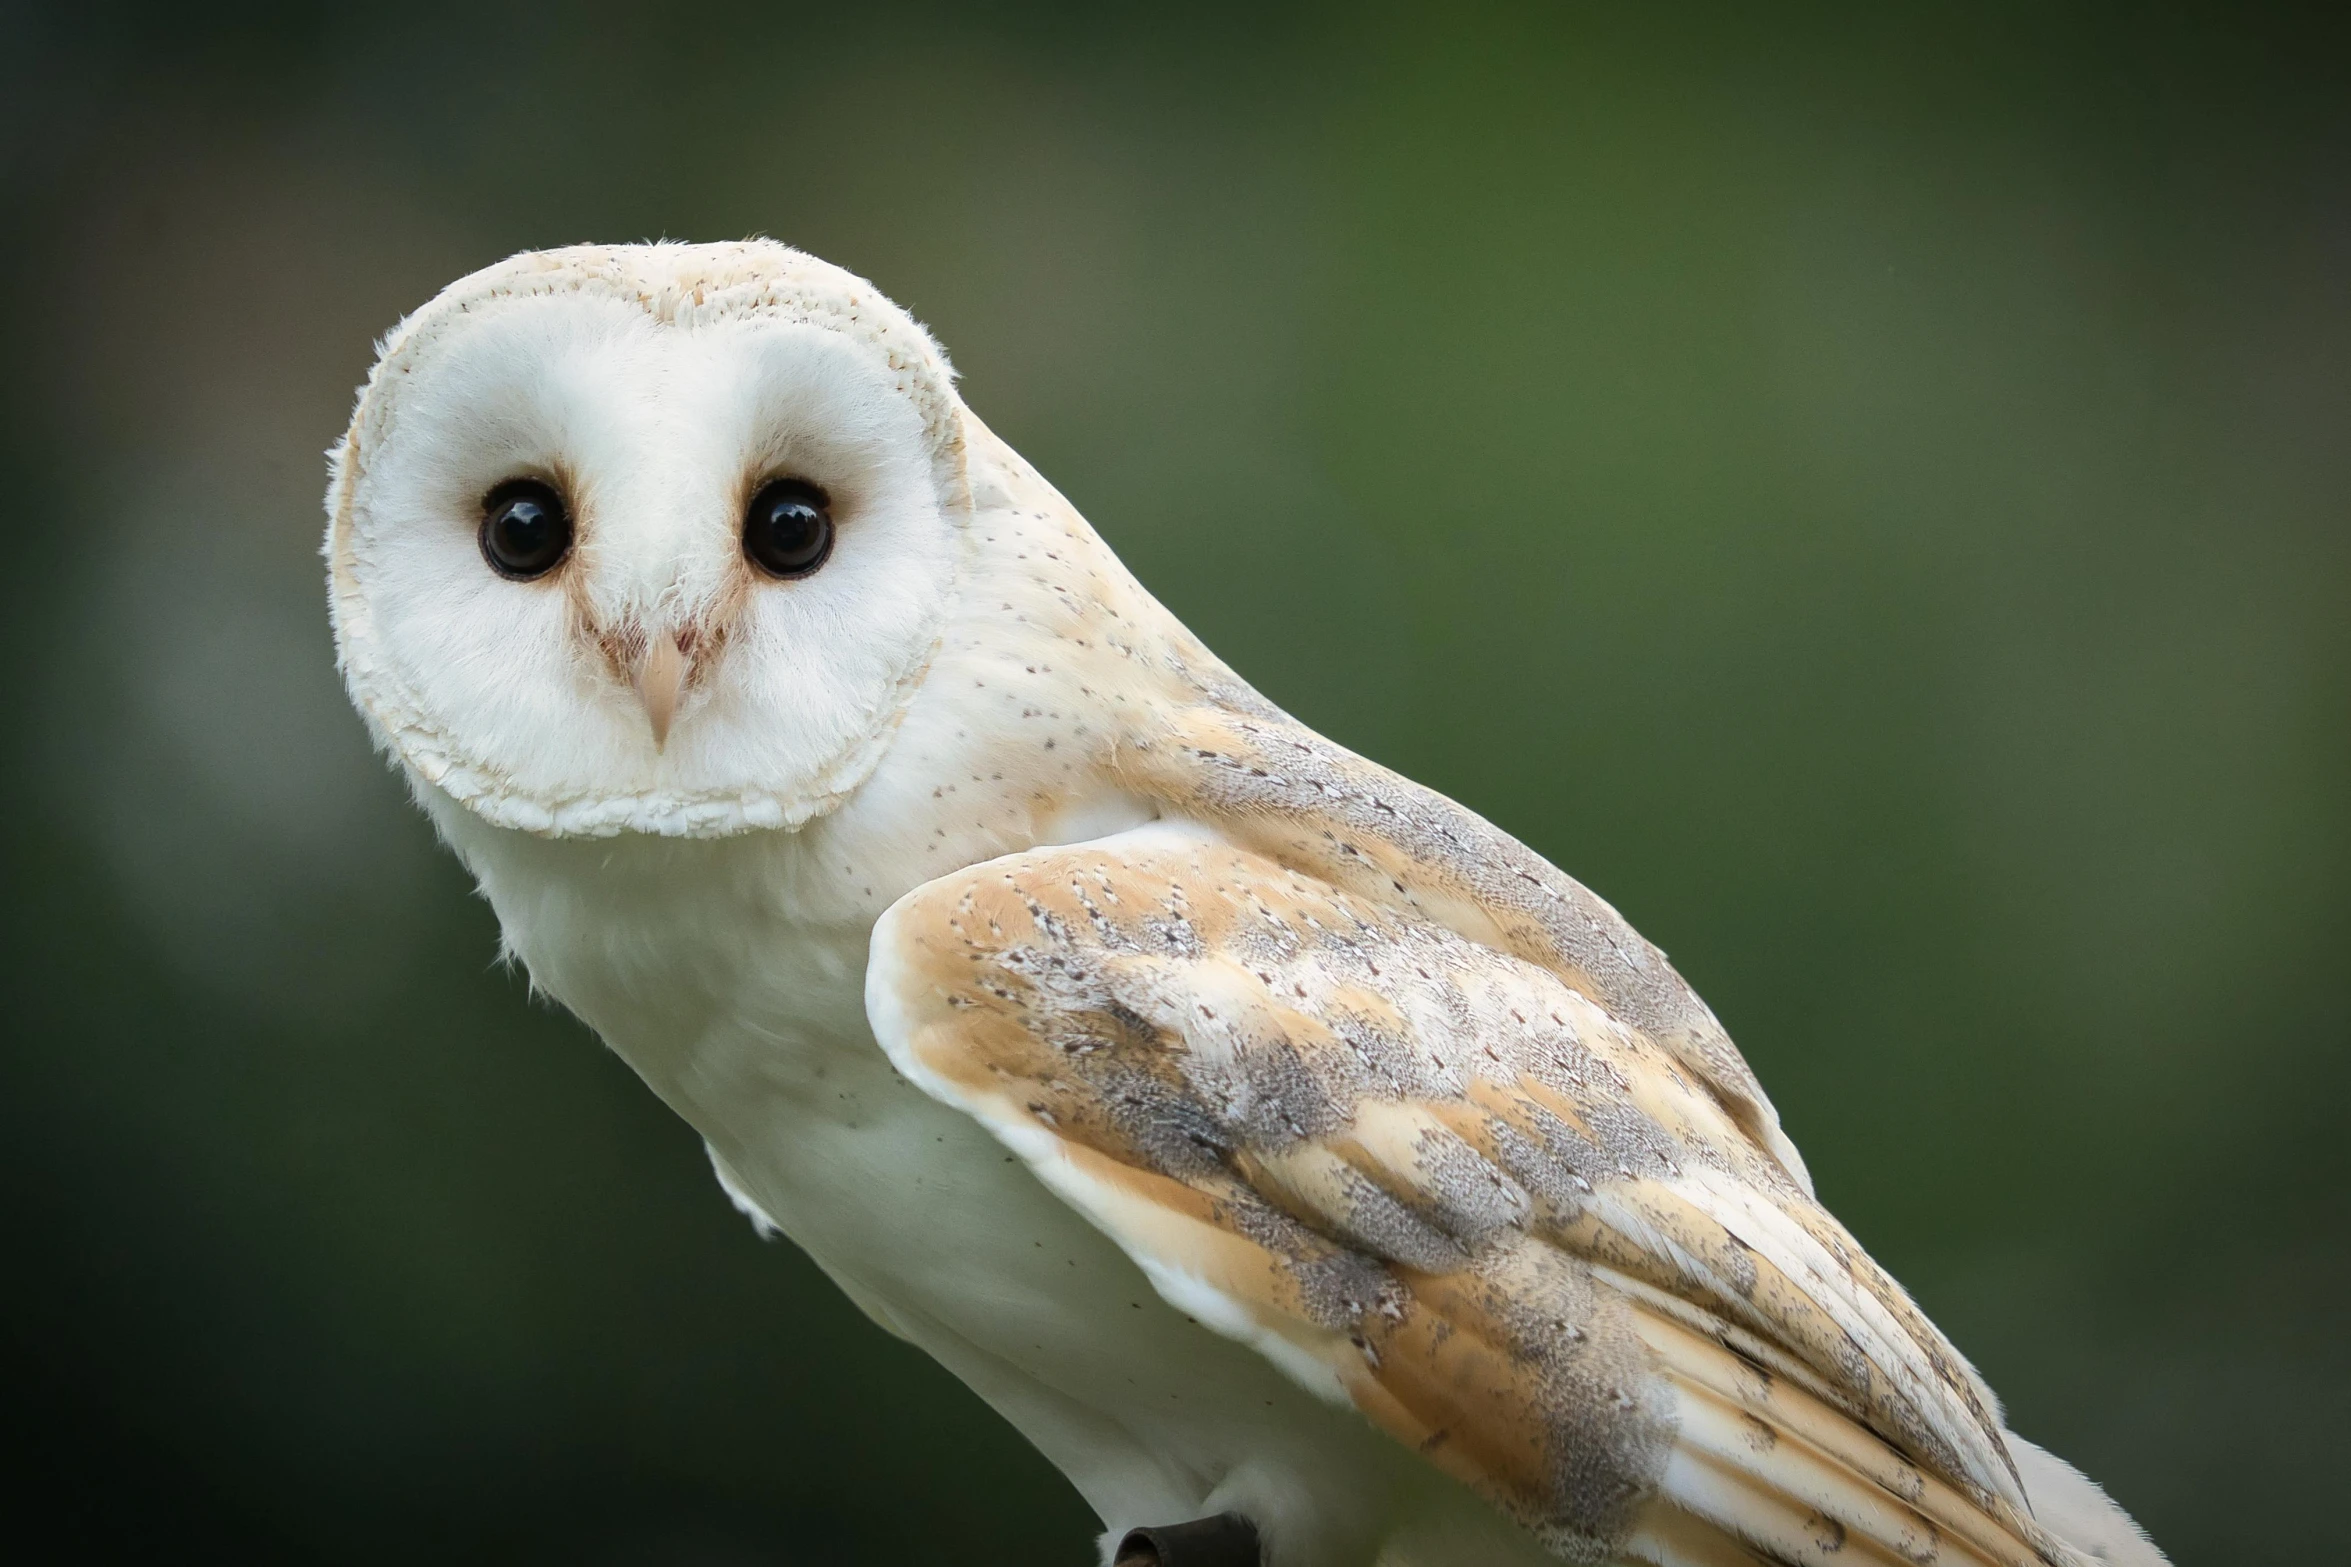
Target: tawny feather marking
x,y
1497,1215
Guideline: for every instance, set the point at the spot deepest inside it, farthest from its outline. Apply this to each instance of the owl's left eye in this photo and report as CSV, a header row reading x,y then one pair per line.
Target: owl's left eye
x,y
525,530
788,530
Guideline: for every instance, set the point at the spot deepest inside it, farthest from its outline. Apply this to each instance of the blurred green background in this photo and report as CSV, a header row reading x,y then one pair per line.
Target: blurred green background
x,y
1866,492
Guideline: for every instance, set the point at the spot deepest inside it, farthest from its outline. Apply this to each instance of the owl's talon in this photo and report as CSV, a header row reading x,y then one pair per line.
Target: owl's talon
x,y
1226,1540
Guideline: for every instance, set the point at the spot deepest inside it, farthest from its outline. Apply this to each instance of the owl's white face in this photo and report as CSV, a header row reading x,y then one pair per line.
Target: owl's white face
x,y
656,544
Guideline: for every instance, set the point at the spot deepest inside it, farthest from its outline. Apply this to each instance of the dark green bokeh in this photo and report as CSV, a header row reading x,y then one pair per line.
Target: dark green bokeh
x,y
1867,495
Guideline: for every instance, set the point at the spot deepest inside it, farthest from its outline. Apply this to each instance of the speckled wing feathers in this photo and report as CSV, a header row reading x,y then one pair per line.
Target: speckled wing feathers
x,y
1448,1186
1276,785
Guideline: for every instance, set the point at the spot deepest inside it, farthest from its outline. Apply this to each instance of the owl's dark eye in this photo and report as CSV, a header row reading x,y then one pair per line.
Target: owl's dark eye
x,y
788,530
525,530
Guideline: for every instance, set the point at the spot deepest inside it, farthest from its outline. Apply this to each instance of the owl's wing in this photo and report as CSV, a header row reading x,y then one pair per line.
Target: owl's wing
x,y
1217,751
1441,1184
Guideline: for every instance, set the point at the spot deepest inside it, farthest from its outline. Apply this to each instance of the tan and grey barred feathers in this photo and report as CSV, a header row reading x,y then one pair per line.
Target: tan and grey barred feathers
x,y
1509,1225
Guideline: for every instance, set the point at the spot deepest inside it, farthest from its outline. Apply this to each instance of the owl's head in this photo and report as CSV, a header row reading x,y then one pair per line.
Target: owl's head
x,y
650,538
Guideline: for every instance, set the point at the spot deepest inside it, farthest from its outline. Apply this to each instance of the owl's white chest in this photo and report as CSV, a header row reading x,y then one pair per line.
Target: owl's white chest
x,y
730,975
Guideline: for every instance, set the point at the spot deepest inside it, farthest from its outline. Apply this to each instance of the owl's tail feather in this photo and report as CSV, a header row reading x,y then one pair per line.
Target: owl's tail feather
x,y
1765,1473
2069,1505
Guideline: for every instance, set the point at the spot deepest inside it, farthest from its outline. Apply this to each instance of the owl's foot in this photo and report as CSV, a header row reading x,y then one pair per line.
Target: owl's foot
x,y
1227,1540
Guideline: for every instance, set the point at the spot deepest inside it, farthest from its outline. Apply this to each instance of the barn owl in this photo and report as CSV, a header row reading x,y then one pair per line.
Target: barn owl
x,y
1311,1171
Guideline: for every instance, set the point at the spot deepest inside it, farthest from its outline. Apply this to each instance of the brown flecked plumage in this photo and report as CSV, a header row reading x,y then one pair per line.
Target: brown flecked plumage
x,y
1519,1232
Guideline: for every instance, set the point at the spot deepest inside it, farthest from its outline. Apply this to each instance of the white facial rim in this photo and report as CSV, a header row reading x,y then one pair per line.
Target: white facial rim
x,y
675,286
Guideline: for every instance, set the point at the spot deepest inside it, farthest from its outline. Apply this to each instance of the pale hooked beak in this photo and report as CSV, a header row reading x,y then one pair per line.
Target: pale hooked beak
x,y
660,677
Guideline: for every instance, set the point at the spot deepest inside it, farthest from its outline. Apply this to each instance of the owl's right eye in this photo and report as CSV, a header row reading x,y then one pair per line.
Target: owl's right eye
x,y
525,530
